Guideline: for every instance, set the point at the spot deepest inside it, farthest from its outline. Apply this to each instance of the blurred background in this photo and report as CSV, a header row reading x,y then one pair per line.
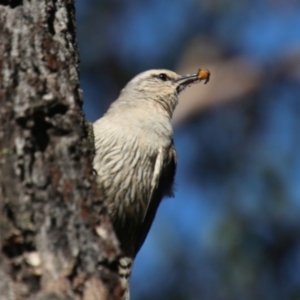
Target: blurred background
x,y
233,229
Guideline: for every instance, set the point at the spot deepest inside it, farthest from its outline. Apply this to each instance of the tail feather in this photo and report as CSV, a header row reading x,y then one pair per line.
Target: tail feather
x,y
124,270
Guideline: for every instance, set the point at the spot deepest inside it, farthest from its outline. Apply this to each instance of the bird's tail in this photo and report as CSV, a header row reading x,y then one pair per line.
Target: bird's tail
x,y
124,270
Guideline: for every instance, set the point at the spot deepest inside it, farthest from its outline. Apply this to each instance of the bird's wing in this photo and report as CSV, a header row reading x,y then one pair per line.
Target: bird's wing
x,y
161,185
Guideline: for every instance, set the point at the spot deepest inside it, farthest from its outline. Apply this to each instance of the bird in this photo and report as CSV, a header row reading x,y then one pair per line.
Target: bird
x,y
135,158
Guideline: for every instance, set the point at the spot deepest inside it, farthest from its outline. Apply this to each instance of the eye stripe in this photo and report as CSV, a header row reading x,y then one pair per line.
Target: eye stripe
x,y
162,76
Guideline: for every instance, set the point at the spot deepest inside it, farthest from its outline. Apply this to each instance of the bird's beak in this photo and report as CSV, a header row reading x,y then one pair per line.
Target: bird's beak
x,y
183,81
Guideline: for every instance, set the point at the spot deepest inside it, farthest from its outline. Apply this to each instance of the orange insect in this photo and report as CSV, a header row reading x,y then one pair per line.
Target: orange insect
x,y
203,74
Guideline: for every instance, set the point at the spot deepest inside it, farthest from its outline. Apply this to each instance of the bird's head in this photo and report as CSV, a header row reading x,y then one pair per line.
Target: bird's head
x,y
161,86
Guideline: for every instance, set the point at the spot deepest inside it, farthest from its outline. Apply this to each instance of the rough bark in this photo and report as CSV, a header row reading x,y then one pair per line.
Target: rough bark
x,y
55,239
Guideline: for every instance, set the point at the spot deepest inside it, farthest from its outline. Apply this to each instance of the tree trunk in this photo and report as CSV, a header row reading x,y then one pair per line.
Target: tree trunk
x,y
55,238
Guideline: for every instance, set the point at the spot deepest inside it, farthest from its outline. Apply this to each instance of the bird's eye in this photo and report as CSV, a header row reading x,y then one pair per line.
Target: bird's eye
x,y
163,76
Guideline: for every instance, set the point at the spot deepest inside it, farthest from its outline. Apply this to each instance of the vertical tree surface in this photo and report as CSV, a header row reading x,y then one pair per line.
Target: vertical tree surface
x,y
55,238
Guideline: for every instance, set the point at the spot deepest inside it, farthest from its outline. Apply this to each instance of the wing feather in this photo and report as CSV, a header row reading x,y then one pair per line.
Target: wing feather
x,y
161,185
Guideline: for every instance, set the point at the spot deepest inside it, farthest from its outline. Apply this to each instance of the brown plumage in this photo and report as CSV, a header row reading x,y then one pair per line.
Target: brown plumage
x,y
135,156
